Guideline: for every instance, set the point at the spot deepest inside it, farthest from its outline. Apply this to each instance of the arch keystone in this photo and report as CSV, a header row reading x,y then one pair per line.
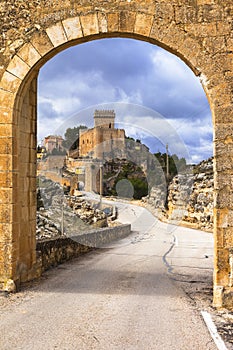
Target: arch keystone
x,y
127,21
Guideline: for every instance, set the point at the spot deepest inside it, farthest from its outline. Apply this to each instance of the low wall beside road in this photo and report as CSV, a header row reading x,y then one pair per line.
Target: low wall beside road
x,y
56,251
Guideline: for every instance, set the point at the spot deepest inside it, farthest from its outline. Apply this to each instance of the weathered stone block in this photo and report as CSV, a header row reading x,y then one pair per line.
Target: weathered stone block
x,y
6,130
164,11
127,21
56,34
224,132
218,234
18,67
202,29
10,82
214,45
89,24
102,22
185,14
5,179
6,145
5,233
218,296
222,218
210,13
29,54
113,22
143,24
224,198
221,94
227,298
222,267
42,43
6,115
223,114
72,28
185,47
224,28
228,237
6,99
6,162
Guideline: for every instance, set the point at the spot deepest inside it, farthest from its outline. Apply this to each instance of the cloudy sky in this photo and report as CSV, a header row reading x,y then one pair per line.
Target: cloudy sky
x,y
155,95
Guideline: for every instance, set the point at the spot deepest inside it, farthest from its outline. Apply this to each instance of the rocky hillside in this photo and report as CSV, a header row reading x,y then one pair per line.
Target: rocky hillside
x,y
188,200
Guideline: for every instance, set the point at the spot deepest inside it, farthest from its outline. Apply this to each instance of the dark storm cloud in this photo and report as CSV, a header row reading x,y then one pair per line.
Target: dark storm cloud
x,y
115,58
129,71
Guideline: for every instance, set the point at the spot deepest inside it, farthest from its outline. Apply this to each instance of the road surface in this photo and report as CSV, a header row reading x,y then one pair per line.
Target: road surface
x,y
122,296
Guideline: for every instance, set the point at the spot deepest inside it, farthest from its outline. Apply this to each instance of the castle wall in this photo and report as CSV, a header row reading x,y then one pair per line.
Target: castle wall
x,y
98,142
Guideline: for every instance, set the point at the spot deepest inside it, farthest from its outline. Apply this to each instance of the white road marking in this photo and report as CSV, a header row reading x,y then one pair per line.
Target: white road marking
x,y
213,331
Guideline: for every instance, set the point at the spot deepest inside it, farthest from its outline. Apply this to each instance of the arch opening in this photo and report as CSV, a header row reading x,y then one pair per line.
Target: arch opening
x,y
20,101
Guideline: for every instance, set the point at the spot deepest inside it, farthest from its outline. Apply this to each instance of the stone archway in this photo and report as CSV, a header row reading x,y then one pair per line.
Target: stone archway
x,y
198,31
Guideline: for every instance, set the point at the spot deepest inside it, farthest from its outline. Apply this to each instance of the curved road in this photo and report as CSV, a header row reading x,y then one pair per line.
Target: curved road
x,y
118,297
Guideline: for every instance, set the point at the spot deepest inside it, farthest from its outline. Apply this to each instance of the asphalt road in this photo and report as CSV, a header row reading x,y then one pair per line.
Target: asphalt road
x,y
122,296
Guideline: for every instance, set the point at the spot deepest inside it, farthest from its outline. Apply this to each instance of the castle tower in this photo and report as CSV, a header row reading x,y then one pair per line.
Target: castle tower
x,y
104,119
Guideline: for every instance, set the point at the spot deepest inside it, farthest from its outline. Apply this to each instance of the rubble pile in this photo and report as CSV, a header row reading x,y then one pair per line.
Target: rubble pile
x,y
87,212
62,215
46,228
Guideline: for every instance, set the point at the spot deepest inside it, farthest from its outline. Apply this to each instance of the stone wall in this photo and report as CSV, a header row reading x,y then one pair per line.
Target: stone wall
x,y
55,251
188,200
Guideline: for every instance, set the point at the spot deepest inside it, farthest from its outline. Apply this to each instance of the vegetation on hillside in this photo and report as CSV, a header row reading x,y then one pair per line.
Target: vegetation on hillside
x,y
176,164
124,179
71,140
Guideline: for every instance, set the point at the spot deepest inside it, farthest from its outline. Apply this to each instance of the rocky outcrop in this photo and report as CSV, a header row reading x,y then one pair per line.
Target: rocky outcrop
x,y
156,201
188,200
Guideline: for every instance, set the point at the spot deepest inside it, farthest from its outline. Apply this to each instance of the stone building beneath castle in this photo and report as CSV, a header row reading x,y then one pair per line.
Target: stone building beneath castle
x,y
103,141
52,142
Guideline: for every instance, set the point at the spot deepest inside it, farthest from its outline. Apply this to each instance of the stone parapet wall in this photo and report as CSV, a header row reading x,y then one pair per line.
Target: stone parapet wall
x,y
58,250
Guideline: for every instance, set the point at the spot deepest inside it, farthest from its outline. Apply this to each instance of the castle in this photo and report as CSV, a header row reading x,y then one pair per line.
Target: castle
x,y
103,141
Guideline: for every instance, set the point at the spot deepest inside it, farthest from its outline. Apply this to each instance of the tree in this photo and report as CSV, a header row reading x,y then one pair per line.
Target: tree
x,y
176,164
58,152
72,137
